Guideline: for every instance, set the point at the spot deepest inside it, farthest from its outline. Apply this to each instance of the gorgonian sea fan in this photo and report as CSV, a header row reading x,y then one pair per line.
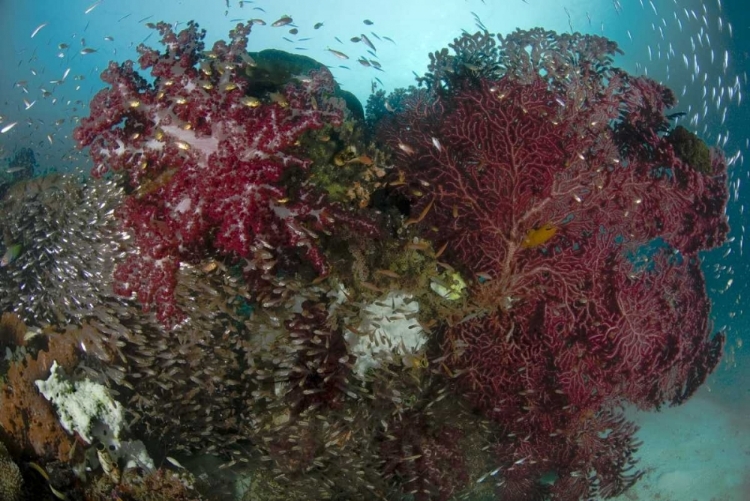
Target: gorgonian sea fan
x,y
556,178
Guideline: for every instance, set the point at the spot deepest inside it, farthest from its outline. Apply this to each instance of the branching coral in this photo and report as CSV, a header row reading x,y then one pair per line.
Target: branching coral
x,y
550,184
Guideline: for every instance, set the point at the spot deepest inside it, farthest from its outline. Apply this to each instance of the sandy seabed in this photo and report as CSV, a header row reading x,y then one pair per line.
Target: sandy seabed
x,y
697,452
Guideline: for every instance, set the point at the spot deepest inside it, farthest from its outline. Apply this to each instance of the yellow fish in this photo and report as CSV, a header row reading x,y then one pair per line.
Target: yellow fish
x,y
538,236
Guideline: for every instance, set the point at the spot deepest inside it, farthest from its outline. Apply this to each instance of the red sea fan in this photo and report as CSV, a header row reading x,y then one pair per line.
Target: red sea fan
x,y
555,178
428,463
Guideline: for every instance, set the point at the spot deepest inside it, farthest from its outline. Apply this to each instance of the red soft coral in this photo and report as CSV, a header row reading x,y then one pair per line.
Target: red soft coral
x,y
205,160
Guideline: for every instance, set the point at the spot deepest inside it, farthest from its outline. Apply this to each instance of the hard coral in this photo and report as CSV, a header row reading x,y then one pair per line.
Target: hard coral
x,y
160,485
11,481
12,331
29,423
206,161
690,149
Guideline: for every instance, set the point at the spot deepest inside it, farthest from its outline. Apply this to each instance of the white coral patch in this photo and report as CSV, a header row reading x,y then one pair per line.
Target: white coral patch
x,y
388,331
82,405
88,408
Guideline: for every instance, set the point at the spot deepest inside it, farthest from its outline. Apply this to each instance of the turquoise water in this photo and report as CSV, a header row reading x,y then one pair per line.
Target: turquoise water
x,y
53,52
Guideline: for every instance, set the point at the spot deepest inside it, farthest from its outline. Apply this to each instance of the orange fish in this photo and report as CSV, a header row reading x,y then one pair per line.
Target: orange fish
x,y
538,236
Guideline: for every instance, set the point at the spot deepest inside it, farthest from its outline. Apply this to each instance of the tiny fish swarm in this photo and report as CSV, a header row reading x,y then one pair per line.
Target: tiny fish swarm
x,y
206,162
68,239
539,130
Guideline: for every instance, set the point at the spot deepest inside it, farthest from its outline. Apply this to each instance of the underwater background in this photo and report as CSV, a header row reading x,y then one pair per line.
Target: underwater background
x,y
324,315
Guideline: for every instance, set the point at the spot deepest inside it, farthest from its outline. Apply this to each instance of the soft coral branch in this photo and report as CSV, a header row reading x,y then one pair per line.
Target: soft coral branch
x,y
205,161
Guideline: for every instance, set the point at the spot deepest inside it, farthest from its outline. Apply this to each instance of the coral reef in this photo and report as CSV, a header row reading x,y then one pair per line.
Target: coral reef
x,y
429,463
474,56
558,187
12,331
207,161
690,149
272,69
535,268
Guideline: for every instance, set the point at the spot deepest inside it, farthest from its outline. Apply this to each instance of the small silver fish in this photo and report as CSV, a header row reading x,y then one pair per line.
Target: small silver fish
x,y
282,21
337,53
92,7
367,42
406,148
175,462
38,29
8,127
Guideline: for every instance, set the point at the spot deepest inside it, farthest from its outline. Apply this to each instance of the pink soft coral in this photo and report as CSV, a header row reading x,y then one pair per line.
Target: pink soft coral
x,y
205,160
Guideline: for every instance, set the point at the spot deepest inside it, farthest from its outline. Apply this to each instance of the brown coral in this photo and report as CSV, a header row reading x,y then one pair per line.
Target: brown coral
x,y
160,485
12,331
11,481
28,422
